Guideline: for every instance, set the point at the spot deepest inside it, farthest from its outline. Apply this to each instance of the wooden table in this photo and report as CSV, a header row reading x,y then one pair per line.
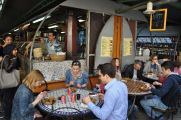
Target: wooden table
x,y
134,87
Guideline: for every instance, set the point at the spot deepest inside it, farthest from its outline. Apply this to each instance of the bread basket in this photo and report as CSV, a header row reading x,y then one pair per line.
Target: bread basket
x,y
55,57
37,53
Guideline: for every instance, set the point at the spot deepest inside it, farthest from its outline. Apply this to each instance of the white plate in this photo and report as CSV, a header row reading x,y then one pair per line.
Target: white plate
x,y
83,105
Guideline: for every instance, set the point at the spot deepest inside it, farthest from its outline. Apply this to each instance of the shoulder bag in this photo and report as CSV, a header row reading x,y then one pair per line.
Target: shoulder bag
x,y
9,80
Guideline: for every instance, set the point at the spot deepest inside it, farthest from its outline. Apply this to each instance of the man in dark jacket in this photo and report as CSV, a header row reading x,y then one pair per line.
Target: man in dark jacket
x,y
166,94
133,71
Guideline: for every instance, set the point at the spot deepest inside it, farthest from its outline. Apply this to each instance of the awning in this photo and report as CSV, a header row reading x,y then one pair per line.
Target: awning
x,y
16,12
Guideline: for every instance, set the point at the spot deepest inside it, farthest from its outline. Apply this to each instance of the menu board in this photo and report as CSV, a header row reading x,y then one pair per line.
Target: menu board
x,y
158,20
128,46
106,46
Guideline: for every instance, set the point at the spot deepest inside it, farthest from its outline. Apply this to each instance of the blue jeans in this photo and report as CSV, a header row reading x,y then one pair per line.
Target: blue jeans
x,y
154,101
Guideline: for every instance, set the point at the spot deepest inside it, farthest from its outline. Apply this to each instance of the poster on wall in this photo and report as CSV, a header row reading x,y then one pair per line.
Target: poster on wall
x,y
127,46
106,46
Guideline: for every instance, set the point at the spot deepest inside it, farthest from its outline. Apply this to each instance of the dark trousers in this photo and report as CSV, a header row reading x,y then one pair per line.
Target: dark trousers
x,y
6,97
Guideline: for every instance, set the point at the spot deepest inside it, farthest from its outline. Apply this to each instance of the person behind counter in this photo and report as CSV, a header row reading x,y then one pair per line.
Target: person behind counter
x,y
24,102
53,46
75,77
153,65
115,99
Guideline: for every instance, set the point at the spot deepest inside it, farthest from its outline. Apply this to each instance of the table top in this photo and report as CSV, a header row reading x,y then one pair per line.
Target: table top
x,y
134,87
56,108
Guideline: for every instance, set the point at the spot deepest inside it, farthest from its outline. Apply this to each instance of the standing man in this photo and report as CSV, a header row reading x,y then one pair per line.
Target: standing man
x,y
115,99
53,46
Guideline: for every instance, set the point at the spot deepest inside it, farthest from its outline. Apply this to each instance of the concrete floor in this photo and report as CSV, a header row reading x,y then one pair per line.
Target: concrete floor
x,y
140,115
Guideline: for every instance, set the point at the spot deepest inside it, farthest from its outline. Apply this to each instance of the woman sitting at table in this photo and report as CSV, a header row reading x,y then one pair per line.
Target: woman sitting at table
x,y
152,66
75,77
24,102
115,62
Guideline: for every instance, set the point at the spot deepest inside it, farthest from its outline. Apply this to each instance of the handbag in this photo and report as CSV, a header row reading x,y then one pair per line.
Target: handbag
x,y
9,80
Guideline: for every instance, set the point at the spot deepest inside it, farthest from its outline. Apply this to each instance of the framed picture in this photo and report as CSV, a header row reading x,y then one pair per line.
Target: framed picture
x,y
158,20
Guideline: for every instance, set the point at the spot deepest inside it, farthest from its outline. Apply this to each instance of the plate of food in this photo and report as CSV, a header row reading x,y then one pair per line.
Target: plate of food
x,y
144,88
49,100
94,97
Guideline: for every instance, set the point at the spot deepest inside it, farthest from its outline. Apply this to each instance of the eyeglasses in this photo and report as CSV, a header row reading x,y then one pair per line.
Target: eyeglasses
x,y
76,63
155,58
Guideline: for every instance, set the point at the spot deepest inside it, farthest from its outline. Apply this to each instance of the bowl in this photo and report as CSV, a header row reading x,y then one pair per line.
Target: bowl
x,y
49,100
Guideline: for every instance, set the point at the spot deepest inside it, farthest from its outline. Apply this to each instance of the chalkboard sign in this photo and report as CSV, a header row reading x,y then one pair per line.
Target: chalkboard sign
x,y
158,20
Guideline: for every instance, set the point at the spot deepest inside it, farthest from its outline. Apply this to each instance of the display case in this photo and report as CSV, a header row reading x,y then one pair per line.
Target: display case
x,y
163,46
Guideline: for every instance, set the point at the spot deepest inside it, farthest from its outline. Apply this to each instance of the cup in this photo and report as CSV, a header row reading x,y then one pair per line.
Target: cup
x,y
63,99
78,96
73,98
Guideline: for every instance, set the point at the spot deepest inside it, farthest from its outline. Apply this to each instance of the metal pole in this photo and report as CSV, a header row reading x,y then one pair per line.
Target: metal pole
x,y
31,50
88,40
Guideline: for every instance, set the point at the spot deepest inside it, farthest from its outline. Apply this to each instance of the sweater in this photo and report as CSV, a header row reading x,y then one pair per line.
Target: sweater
x,y
169,89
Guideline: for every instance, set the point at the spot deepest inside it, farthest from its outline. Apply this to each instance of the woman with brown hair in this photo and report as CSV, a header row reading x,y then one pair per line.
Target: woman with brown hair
x,y
115,62
24,100
9,63
75,77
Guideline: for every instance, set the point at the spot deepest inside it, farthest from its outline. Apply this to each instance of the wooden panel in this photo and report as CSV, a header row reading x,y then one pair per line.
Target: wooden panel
x,y
51,86
115,38
120,33
93,81
118,37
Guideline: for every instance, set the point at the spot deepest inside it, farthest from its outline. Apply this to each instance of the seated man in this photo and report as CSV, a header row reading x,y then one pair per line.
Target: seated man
x,y
115,99
153,66
75,77
165,94
133,71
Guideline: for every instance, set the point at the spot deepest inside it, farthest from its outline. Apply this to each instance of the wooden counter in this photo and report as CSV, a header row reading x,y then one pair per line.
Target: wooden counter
x,y
52,85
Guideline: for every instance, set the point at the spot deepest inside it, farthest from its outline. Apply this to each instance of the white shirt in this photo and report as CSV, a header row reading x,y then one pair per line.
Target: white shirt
x,y
134,75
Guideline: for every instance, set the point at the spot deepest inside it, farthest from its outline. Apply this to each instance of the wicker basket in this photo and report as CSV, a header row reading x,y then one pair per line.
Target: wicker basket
x,y
37,53
55,57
